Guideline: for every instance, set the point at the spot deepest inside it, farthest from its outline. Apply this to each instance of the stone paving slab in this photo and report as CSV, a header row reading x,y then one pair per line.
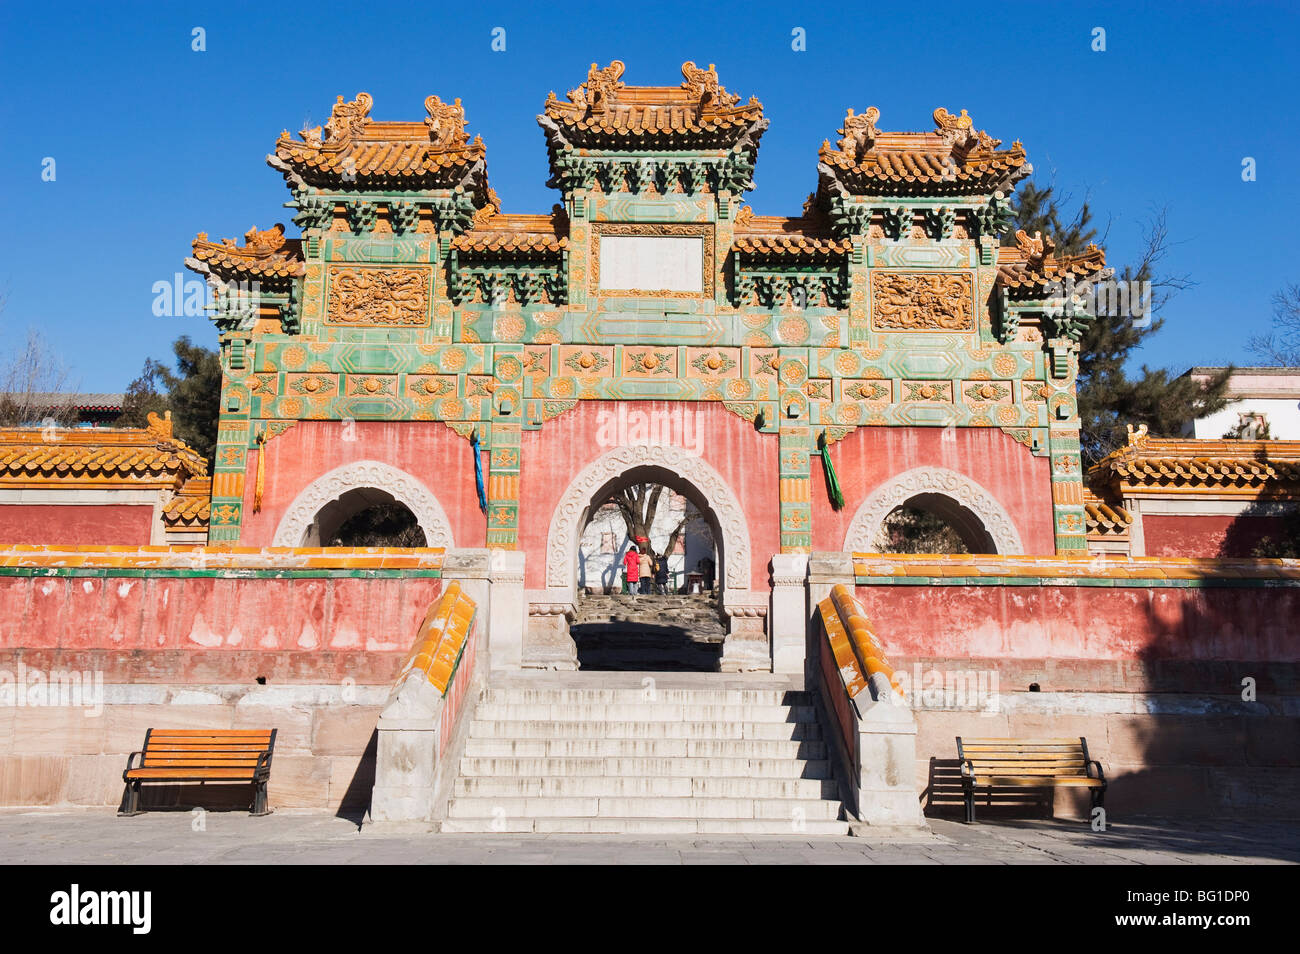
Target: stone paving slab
x,y
100,837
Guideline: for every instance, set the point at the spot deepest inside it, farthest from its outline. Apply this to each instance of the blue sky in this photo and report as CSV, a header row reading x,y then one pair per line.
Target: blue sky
x,y
154,142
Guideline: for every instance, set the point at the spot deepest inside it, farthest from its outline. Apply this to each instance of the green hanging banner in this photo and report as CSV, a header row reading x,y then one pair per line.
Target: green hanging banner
x,y
832,482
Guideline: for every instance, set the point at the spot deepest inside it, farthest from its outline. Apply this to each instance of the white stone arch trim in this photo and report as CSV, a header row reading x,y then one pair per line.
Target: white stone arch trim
x,y
867,522
403,487
566,530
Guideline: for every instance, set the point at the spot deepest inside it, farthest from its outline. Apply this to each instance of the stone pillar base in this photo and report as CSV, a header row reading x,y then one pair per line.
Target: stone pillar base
x,y
788,620
547,644
746,647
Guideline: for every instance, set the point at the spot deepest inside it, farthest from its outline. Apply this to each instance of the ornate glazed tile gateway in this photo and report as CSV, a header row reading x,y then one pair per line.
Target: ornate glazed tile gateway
x,y
894,297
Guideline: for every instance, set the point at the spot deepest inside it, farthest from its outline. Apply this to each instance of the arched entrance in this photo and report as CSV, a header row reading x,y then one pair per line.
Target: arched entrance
x,y
974,513
677,625
327,502
745,646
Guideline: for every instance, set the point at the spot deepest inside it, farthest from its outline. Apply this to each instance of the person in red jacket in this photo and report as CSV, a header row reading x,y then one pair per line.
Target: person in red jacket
x,y
632,568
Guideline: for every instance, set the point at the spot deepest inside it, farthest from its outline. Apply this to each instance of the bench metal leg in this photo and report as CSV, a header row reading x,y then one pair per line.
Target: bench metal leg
x,y
970,806
130,800
259,799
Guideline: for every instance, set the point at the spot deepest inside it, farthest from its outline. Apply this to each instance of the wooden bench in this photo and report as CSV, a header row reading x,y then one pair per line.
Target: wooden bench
x,y
1028,763
201,755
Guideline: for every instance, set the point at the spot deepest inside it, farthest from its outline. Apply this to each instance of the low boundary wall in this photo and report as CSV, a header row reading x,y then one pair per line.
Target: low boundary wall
x,y
1183,674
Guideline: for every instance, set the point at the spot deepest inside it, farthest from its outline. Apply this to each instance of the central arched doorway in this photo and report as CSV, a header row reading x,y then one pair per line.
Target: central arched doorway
x,y
657,527
741,610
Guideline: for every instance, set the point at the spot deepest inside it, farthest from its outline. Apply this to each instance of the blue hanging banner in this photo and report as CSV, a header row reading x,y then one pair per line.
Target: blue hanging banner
x,y
478,472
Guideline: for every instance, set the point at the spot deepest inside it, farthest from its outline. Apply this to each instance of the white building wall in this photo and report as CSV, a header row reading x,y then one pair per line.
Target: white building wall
x,y
1283,418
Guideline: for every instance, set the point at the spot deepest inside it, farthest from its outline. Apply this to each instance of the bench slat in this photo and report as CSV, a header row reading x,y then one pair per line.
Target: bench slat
x,y
197,773
200,763
991,741
1037,781
1011,767
206,749
235,733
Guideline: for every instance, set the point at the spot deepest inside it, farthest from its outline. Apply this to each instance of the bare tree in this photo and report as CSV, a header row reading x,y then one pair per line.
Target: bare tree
x,y
1280,348
34,385
638,505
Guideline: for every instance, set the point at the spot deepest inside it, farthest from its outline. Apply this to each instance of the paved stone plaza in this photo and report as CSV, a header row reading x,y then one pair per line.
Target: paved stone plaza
x,y
308,838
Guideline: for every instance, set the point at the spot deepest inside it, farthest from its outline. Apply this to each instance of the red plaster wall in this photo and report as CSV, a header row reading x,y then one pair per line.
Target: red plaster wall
x,y
554,455
1086,622
1208,536
870,456
106,524
429,451
211,630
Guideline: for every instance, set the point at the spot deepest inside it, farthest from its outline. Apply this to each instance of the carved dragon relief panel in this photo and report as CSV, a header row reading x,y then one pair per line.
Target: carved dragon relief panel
x,y
378,296
922,301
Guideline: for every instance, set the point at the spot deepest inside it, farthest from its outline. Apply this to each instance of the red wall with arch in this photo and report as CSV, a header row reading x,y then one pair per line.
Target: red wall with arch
x,y
429,451
871,456
553,456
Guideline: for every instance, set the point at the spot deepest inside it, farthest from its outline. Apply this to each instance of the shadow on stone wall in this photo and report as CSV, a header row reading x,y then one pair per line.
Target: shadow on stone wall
x,y
355,803
1222,739
1177,740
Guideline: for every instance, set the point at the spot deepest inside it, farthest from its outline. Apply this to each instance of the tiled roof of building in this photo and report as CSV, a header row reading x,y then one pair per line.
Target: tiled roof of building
x,y
101,401
604,112
779,235
355,149
954,159
101,457
191,508
265,255
498,232
1226,466
1105,519
1031,263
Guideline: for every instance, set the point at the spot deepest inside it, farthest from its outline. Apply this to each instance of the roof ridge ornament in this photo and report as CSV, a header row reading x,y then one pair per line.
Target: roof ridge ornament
x,y
705,85
160,428
960,132
348,119
264,241
446,122
601,84
859,132
1037,249
490,210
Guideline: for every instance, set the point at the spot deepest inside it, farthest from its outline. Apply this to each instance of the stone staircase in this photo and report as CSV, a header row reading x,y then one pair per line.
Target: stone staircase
x,y
672,633
645,753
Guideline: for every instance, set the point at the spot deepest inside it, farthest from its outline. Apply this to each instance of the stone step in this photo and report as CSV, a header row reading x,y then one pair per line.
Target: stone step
x,y
642,767
644,807
598,786
650,694
551,679
506,747
646,826
670,662
543,729
629,634
643,712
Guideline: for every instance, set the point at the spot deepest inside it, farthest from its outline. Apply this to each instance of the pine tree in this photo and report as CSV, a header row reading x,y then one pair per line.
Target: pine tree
x,y
192,393
1109,399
